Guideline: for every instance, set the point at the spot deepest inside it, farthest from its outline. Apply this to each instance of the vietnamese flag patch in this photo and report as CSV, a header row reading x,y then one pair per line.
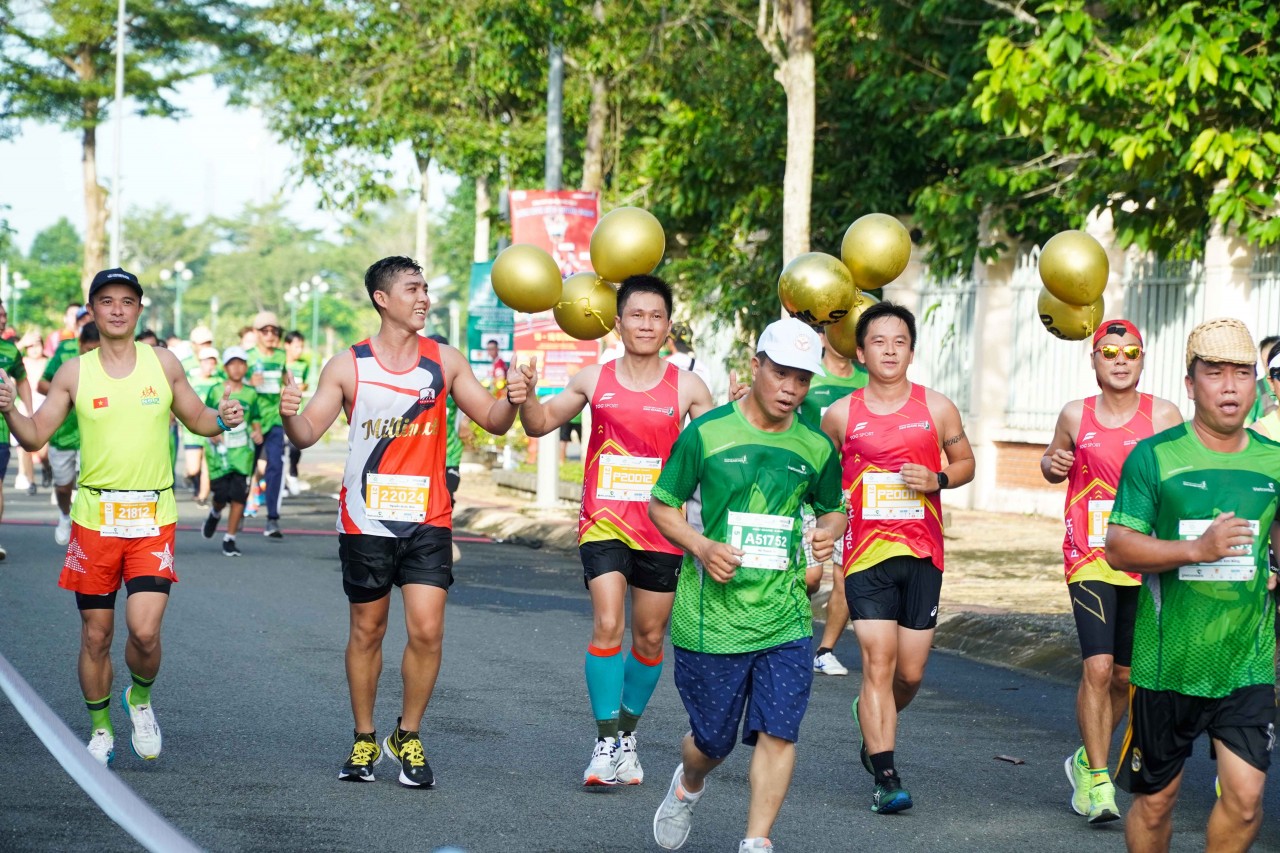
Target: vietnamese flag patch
x,y
99,402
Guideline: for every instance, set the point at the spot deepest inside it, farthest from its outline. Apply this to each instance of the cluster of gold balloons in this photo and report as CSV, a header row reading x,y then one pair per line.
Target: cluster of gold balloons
x,y
823,290
626,241
1074,269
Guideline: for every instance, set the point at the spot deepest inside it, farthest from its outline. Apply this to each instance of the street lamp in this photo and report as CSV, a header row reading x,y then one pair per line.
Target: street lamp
x,y
16,289
316,288
293,296
213,316
181,276
142,317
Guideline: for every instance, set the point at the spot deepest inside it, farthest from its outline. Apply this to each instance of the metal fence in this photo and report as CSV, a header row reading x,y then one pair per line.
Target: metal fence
x,y
1264,296
944,332
1166,299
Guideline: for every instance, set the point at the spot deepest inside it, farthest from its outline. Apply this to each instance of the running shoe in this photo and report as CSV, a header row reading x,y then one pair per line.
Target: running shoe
x,y
364,755
828,664
746,845
3,552
31,489
102,746
62,533
1102,803
862,744
229,548
46,474
889,797
415,772
272,530
291,484
627,769
21,482
210,525
674,817
146,731
601,770
1077,767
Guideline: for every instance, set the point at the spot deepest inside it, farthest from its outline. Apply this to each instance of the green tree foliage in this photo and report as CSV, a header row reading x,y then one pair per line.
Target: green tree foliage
x,y
57,244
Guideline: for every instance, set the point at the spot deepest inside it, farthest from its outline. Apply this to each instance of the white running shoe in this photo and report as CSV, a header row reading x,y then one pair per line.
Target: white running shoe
x,y
20,482
828,664
291,483
747,845
146,731
674,817
62,533
626,768
600,770
102,746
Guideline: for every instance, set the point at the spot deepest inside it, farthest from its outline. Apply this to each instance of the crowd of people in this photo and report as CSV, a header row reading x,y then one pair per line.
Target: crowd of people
x,y
717,520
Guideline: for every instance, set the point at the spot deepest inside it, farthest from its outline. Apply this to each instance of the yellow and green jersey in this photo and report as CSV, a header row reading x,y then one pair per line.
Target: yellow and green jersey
x,y
10,363
233,453
752,484
1204,629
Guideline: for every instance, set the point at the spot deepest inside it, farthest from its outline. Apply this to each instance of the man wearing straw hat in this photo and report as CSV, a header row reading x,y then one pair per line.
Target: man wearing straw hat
x,y
1194,513
1090,443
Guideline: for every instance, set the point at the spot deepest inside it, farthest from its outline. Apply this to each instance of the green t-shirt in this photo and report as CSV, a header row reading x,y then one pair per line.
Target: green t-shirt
x,y
1201,637
825,390
753,483
67,435
11,363
233,452
271,368
201,385
452,443
304,371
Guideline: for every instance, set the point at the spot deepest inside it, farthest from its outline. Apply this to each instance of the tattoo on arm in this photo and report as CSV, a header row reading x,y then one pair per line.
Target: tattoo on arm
x,y
953,440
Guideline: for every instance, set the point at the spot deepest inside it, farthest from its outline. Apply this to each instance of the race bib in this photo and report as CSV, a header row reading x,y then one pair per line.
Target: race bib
x,y
627,478
396,497
128,515
238,437
270,382
885,495
765,539
1099,517
1239,567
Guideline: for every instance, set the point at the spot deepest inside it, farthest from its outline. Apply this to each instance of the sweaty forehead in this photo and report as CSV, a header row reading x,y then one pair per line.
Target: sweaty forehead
x,y
1127,339
888,327
646,302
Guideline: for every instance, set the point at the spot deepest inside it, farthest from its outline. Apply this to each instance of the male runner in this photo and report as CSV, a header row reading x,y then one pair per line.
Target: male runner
x,y
842,377
266,375
394,516
1269,425
1265,404
124,515
892,436
1195,513
10,364
301,364
203,375
230,455
1090,443
742,626
638,403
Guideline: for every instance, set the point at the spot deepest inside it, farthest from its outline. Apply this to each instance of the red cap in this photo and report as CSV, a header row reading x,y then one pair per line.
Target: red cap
x,y
1116,327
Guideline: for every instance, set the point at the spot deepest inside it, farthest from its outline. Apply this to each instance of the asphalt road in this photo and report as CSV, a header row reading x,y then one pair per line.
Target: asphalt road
x,y
253,704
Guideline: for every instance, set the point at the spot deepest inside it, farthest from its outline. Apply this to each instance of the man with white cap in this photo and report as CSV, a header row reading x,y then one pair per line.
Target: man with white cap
x,y
741,623
267,363
893,436
1194,514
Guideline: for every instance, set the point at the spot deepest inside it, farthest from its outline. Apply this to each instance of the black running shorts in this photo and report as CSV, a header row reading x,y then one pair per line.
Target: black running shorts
x,y
901,589
371,565
231,488
1105,615
1164,724
649,570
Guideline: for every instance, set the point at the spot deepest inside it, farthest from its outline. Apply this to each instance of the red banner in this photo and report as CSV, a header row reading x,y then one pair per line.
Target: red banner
x,y
558,355
559,221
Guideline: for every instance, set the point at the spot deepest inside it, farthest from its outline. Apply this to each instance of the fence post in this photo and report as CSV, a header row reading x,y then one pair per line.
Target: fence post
x,y
1228,262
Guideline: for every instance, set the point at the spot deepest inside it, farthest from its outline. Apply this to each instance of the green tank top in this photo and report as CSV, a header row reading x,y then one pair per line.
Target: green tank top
x,y
124,444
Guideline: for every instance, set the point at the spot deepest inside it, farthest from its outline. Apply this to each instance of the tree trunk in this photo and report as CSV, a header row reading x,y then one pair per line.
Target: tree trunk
x,y
422,248
797,76
481,246
597,118
95,199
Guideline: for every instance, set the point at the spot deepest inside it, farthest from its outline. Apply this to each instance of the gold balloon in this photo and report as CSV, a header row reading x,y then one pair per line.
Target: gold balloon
x,y
526,278
816,288
587,307
843,336
1074,267
627,241
876,249
1067,321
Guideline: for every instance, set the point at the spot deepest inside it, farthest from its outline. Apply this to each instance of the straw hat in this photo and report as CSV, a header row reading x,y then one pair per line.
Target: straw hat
x,y
1224,340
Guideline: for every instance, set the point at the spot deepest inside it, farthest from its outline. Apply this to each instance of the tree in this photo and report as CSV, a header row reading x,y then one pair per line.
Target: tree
x,y
59,67
57,244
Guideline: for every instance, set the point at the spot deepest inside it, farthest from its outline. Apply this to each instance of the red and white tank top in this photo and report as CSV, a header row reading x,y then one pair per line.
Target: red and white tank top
x,y
886,518
1091,490
631,437
394,478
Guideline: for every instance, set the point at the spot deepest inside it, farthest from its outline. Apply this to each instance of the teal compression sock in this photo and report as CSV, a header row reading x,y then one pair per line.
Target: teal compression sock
x,y
640,678
604,670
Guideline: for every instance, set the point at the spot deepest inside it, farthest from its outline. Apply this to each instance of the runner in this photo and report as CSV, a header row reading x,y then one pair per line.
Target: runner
x,y
266,375
497,378
230,455
1194,514
742,626
203,375
11,364
1269,425
1089,446
301,364
1265,404
892,436
124,515
394,519
638,403
64,446
453,447
842,377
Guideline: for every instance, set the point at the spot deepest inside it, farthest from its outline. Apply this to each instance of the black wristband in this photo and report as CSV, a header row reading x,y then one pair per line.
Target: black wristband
x,y
942,481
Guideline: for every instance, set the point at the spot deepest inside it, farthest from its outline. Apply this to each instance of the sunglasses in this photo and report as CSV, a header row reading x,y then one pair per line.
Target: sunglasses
x,y
1133,352
275,330
1275,373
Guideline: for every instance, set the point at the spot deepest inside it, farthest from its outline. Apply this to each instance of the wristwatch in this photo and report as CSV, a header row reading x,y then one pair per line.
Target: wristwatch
x,y
942,480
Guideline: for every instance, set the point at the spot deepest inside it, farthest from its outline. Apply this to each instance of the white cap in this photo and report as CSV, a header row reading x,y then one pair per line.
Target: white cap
x,y
234,352
201,335
792,343
208,352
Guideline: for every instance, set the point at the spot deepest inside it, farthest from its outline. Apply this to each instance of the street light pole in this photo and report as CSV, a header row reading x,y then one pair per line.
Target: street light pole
x,y
319,287
181,276
117,206
20,285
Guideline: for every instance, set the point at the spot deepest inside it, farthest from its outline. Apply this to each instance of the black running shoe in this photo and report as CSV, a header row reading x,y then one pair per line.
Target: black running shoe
x,y
272,529
229,548
889,797
415,772
46,475
210,525
364,755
